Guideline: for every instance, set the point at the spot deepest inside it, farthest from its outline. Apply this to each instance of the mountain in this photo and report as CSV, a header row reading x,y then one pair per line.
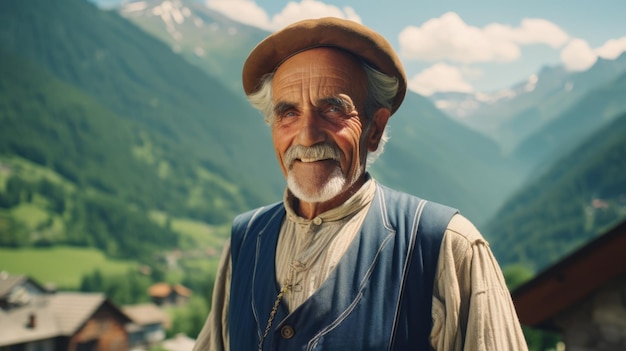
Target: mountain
x,y
123,123
204,37
138,77
588,114
48,124
512,115
575,199
434,157
487,111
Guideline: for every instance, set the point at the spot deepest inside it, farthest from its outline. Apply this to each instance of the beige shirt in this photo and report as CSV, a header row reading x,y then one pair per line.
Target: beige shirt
x,y
472,307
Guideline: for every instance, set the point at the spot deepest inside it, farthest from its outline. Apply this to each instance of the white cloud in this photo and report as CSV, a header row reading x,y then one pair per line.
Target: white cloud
x,y
578,55
450,38
248,12
612,49
439,77
244,11
531,31
311,9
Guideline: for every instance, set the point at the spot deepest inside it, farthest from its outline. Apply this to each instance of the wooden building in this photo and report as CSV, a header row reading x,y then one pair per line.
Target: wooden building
x,y
164,294
583,296
148,327
64,321
35,318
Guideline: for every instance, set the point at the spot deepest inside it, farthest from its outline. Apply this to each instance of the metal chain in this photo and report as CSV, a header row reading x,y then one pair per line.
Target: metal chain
x,y
286,287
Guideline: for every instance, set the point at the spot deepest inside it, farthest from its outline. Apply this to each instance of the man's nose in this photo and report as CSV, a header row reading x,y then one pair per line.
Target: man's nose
x,y
311,128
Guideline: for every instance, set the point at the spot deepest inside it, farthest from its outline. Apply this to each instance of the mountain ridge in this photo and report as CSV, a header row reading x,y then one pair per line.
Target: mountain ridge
x,y
205,38
513,114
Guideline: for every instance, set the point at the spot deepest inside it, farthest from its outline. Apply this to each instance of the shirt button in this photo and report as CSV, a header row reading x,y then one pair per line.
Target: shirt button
x,y
287,332
317,221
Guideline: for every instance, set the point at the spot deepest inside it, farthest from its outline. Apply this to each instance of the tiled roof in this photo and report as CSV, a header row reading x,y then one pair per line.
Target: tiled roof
x,y
160,290
14,325
9,282
60,314
164,289
73,309
145,314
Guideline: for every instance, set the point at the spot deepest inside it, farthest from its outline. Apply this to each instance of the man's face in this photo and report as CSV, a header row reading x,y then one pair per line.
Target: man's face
x,y
318,98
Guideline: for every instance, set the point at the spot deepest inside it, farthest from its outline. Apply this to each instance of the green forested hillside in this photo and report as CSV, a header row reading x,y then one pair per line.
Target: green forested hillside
x,y
139,78
103,126
591,112
576,198
52,125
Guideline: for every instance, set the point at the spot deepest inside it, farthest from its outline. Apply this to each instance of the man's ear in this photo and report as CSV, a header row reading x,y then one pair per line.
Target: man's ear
x,y
377,127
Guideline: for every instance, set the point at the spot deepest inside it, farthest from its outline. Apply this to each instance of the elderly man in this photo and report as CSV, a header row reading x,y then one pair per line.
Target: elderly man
x,y
344,263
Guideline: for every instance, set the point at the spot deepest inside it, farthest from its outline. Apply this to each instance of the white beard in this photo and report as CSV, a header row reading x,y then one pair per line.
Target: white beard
x,y
332,188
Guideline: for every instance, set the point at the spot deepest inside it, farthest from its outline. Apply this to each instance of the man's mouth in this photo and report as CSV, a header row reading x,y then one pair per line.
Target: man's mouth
x,y
310,160
315,153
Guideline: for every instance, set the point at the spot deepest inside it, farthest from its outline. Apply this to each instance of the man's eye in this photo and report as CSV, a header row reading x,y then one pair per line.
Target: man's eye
x,y
335,110
288,114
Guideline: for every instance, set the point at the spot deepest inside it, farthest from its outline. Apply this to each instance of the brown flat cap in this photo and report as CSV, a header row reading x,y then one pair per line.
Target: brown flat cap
x,y
347,35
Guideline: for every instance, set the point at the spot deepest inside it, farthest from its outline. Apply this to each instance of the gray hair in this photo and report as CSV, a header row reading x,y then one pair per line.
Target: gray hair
x,y
381,90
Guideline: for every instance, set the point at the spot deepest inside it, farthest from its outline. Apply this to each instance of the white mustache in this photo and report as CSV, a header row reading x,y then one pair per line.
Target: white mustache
x,y
317,152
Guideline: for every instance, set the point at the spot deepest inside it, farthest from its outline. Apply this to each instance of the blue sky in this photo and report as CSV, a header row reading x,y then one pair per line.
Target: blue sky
x,y
469,46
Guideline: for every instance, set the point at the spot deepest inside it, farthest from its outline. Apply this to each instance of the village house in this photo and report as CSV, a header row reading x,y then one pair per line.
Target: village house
x,y
164,294
64,321
17,290
148,327
33,318
582,297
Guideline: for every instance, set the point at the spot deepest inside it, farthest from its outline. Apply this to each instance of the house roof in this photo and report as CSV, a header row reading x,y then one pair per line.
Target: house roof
x,y
145,314
74,309
571,279
8,282
60,314
164,289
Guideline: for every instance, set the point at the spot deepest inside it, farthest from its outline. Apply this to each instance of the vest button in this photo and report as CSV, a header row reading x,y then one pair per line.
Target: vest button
x,y
287,332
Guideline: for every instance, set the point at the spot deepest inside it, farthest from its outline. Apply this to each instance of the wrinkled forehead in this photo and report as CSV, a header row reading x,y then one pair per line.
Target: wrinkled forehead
x,y
326,70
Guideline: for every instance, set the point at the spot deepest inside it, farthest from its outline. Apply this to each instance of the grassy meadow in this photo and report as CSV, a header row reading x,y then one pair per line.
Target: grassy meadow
x,y
64,266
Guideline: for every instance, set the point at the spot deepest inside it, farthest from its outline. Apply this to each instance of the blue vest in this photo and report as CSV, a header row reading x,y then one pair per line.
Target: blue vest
x,y
379,297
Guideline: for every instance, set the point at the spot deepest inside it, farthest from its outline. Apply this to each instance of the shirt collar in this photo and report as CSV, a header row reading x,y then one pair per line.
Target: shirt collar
x,y
356,202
